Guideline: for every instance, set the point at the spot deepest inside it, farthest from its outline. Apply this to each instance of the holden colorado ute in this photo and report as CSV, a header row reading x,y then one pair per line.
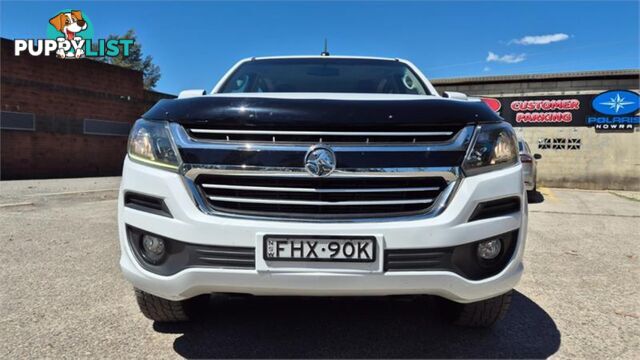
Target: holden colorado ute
x,y
323,176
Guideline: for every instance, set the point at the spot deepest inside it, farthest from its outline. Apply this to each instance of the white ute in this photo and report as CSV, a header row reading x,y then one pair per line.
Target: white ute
x,y
323,176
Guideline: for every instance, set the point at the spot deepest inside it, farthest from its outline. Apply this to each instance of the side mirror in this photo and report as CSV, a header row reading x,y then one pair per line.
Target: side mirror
x,y
455,95
537,156
191,93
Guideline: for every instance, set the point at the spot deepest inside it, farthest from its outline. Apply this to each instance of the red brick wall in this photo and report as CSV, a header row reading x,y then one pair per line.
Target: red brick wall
x,y
49,155
61,93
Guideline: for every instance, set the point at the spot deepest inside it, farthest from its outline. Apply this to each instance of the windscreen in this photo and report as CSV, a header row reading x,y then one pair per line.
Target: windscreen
x,y
325,75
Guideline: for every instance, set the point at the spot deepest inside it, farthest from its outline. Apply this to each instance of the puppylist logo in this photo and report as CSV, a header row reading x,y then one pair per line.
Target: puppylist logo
x,y
70,36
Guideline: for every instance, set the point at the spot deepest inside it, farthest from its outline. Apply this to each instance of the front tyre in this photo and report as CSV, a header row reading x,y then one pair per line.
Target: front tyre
x,y
480,314
163,310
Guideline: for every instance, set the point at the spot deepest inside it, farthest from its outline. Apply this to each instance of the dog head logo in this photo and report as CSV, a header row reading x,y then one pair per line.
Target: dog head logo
x,y
69,23
70,28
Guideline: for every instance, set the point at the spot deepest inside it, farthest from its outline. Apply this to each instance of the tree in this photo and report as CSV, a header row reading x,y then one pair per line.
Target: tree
x,y
136,60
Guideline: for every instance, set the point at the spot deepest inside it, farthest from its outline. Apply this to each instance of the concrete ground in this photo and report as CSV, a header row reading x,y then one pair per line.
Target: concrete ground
x,y
61,292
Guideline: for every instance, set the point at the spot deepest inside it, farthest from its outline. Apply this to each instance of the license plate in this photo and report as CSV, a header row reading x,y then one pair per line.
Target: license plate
x,y
319,248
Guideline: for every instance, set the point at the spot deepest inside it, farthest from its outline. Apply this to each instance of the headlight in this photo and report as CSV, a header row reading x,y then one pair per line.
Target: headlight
x,y
151,143
495,147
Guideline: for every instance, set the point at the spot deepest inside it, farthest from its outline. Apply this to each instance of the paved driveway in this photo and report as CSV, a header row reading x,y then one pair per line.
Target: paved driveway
x,y
62,292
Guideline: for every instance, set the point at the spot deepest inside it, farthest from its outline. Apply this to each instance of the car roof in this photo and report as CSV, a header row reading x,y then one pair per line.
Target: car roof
x,y
328,57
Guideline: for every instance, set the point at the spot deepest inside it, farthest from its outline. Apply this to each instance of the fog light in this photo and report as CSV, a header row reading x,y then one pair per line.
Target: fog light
x,y
489,249
153,248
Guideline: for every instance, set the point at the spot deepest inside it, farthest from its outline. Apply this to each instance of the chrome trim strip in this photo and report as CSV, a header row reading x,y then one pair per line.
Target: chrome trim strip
x,y
193,170
318,203
322,133
459,142
314,190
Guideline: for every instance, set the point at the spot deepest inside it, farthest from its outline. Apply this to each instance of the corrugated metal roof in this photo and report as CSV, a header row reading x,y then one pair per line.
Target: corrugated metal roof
x,y
534,77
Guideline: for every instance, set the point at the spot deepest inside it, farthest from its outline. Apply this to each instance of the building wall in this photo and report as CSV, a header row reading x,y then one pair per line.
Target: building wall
x,y
63,99
587,84
603,160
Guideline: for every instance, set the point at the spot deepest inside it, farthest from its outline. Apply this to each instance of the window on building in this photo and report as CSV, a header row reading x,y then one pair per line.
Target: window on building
x,y
559,143
10,120
544,143
574,144
106,127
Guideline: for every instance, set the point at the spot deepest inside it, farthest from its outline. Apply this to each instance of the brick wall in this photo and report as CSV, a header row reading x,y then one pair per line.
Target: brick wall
x,y
61,94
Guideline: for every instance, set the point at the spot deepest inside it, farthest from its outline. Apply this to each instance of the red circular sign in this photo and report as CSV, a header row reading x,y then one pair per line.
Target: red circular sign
x,y
494,104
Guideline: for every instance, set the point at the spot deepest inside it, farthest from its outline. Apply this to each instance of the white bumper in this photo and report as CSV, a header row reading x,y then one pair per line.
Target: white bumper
x,y
450,228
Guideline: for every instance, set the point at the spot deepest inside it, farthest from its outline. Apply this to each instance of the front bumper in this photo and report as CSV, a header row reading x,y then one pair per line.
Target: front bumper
x,y
450,228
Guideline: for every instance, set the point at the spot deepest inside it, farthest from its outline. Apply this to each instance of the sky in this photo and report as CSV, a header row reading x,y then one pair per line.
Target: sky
x,y
195,43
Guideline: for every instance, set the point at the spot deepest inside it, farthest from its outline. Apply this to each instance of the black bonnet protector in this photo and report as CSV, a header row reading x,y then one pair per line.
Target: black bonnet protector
x,y
259,113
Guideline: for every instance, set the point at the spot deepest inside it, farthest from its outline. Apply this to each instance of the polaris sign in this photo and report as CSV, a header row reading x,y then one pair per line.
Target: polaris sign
x,y
616,102
618,109
610,111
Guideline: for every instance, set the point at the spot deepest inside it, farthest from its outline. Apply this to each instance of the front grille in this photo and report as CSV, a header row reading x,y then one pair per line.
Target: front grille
x,y
315,197
261,173
435,134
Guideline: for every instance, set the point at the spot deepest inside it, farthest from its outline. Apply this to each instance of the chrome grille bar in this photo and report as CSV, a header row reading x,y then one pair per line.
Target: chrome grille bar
x,y
318,203
314,190
428,135
322,133
193,170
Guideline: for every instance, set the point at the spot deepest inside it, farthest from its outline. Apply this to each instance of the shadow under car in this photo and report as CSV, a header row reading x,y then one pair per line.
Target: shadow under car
x,y
358,327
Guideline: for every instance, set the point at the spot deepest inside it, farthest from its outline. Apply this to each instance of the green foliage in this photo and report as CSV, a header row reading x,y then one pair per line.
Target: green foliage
x,y
136,60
